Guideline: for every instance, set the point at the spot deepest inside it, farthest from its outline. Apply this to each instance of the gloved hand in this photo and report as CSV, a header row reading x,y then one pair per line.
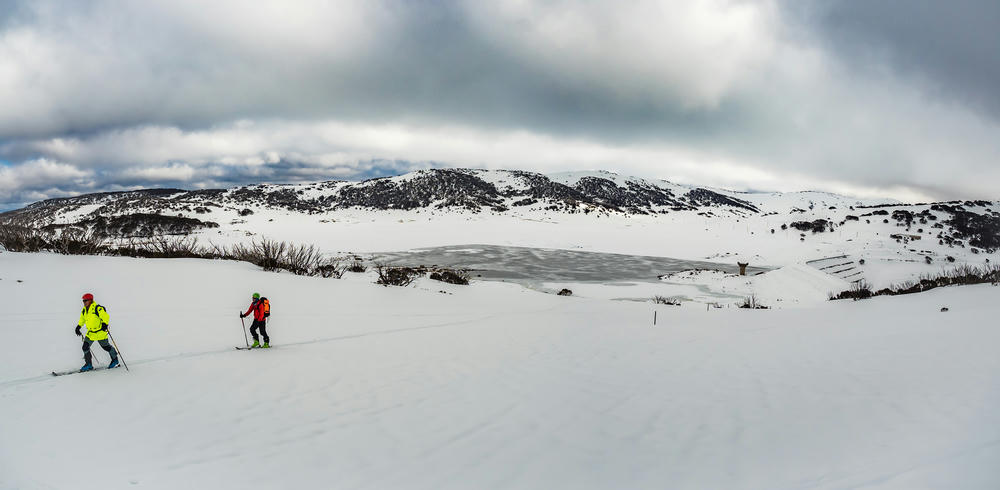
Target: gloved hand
x,y
242,315
77,330
104,326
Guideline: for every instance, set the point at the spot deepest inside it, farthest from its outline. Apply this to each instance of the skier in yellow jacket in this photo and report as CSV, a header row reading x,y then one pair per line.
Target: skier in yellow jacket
x,y
96,319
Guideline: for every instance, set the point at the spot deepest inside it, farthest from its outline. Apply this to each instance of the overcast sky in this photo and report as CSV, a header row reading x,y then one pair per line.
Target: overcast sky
x,y
867,98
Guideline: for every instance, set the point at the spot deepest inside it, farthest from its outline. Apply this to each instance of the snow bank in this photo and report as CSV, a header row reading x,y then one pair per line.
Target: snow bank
x,y
487,386
796,284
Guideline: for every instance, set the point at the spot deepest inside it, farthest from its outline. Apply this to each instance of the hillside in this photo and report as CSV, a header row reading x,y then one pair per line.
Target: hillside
x,y
880,241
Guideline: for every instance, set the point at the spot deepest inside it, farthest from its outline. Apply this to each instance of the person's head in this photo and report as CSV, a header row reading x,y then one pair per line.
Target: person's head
x,y
256,296
88,299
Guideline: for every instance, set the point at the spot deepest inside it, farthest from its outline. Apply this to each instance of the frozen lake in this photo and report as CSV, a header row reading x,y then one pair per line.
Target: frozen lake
x,y
538,265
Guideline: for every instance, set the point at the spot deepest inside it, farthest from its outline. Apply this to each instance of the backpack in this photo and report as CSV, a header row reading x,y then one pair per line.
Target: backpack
x,y
97,307
265,306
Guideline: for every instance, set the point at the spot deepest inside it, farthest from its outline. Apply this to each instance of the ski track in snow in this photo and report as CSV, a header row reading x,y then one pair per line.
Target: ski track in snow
x,y
488,387
189,355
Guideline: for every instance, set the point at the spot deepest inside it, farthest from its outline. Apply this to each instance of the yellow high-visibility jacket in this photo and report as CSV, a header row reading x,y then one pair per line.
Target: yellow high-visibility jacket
x,y
92,317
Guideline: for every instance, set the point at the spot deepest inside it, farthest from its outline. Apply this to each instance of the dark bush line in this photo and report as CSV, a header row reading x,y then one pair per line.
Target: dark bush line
x,y
270,255
136,225
959,276
16,238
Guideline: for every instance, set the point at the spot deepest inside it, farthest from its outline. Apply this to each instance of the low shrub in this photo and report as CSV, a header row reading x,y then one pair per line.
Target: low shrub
x,y
396,276
451,276
859,290
816,226
331,268
663,300
752,303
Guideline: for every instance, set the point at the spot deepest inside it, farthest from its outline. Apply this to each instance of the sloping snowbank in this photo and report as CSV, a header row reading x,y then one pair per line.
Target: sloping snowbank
x,y
489,386
797,284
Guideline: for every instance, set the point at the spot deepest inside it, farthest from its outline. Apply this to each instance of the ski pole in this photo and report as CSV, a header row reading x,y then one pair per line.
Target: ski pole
x,y
118,350
245,332
94,356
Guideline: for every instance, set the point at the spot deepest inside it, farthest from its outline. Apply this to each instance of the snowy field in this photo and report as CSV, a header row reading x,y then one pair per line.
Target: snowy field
x,y
488,386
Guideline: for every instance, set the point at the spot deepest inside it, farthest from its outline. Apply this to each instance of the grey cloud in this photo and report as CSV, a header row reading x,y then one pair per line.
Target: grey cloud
x,y
788,88
39,180
948,47
427,61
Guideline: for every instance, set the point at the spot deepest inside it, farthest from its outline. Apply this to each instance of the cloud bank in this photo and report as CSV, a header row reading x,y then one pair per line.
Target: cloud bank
x,y
740,94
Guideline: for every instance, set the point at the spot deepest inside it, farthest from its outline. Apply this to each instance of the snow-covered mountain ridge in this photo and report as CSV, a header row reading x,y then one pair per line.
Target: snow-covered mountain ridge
x,y
463,190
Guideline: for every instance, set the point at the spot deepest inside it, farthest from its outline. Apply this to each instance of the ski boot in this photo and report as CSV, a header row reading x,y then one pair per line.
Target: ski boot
x,y
114,363
87,367
255,345
266,346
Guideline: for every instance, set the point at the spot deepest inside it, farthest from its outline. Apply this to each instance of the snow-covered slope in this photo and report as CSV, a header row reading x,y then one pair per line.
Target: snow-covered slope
x,y
485,386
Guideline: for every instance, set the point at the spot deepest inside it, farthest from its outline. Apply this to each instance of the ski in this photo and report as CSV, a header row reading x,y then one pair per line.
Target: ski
x,y
77,371
253,348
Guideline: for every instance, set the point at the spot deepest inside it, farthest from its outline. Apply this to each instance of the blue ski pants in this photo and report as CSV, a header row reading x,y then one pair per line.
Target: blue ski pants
x,y
104,345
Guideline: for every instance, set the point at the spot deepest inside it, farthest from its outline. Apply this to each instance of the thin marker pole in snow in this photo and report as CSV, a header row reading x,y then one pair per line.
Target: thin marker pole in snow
x,y
654,317
118,350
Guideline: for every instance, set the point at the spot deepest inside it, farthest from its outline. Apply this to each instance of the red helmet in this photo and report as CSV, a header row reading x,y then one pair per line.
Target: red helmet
x,y
88,296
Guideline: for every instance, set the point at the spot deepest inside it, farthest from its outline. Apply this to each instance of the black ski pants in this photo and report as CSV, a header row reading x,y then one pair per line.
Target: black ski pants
x,y
104,345
262,325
